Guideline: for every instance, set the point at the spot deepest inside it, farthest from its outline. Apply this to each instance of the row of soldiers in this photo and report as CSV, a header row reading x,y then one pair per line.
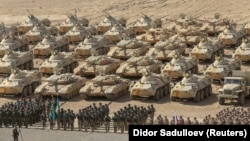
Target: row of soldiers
x,y
23,112
136,115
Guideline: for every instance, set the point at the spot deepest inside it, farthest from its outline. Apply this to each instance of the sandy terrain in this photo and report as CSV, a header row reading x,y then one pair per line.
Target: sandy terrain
x,y
14,11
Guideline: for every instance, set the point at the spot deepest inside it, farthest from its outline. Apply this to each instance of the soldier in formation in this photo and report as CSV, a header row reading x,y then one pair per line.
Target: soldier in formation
x,y
24,112
132,115
92,116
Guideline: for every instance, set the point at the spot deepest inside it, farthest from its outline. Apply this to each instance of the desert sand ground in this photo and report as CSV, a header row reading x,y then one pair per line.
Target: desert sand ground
x,y
14,11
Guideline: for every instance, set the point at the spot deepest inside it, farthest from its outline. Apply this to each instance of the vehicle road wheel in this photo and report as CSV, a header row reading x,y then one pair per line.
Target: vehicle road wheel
x,y
157,95
198,97
241,99
221,100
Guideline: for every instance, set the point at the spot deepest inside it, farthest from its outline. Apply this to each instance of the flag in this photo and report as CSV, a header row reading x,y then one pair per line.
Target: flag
x,y
53,114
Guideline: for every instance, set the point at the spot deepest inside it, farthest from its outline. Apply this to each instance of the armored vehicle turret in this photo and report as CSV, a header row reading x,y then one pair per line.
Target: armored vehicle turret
x,y
192,86
127,47
133,67
242,52
165,49
66,61
79,32
38,32
222,67
207,49
110,87
20,82
231,36
151,85
13,43
98,44
50,43
70,22
117,32
180,64
30,22
64,86
93,64
17,59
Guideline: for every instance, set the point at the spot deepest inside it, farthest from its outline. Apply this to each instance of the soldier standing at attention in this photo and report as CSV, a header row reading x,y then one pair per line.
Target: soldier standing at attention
x,y
15,133
107,120
43,119
114,118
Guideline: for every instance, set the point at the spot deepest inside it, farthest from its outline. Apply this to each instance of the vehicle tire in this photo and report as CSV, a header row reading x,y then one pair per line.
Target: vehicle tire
x,y
207,92
157,95
172,98
198,97
202,95
212,58
167,90
25,92
221,101
241,99
210,90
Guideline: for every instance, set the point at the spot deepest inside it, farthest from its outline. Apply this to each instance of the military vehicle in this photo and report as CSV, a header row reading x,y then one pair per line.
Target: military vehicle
x,y
16,59
231,36
188,35
235,87
70,22
66,61
216,25
242,52
13,43
4,30
30,22
98,44
207,49
192,86
133,67
64,86
108,22
153,35
118,32
127,48
93,64
145,23
247,28
20,82
109,86
165,49
38,32
49,44
180,64
79,32
151,85
222,67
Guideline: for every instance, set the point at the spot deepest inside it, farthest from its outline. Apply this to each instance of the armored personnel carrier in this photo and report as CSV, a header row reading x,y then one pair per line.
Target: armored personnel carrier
x,y
79,32
66,61
38,32
242,52
231,36
127,48
110,87
30,22
108,22
222,67
151,85
20,82
21,60
192,86
215,25
98,44
207,49
64,86
49,44
165,49
153,35
188,35
70,22
117,33
133,67
13,43
180,64
93,64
